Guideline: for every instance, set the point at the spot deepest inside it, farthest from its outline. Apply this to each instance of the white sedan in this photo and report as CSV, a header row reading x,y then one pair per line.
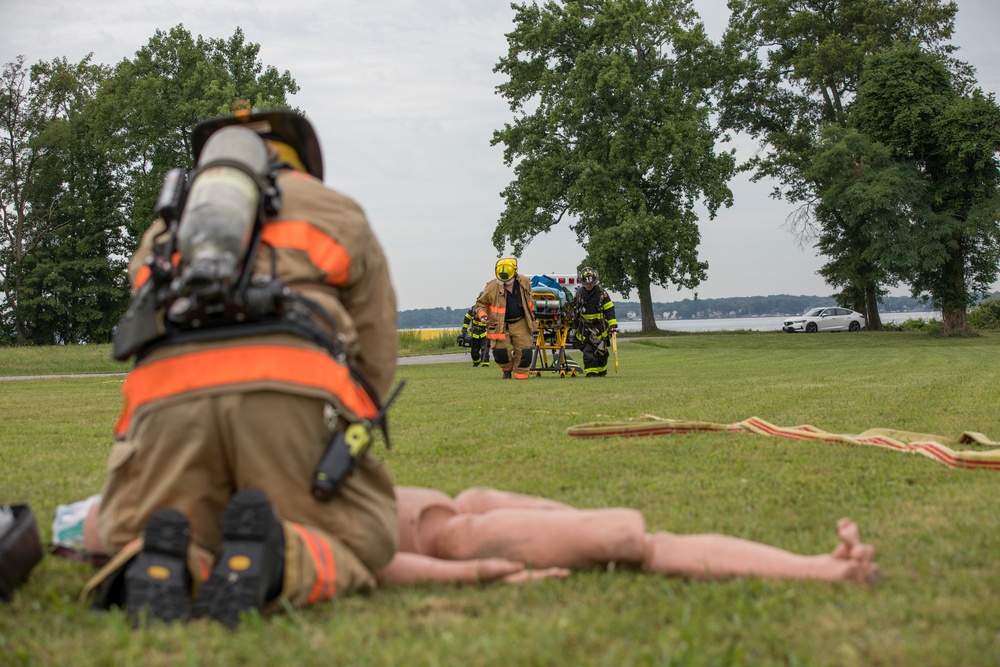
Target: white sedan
x,y
825,319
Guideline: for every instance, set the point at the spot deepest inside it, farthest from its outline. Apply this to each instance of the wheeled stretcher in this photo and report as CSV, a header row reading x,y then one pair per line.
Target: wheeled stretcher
x,y
554,312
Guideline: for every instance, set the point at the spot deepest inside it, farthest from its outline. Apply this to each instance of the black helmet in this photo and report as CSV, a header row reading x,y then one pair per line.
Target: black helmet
x,y
278,124
588,276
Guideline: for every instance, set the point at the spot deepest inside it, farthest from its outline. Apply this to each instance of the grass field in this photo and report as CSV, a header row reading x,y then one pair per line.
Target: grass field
x,y
937,530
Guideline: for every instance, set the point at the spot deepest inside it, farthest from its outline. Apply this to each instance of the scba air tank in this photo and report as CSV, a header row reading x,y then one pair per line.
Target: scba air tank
x,y
222,205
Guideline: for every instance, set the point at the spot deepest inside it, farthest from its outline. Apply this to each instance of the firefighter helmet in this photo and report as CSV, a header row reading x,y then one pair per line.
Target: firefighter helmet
x,y
506,268
279,125
588,276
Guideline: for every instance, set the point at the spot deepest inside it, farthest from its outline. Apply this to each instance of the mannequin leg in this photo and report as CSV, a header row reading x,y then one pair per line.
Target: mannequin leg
x,y
479,500
722,556
555,538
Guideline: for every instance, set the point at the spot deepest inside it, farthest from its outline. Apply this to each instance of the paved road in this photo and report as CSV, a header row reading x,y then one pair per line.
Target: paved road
x,y
403,361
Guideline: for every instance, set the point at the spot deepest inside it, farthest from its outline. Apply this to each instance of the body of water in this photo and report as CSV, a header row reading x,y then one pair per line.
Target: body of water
x,y
752,323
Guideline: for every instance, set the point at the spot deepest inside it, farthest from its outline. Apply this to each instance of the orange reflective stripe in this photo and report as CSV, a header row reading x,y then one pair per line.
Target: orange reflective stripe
x,y
322,558
496,336
328,255
235,365
142,275
498,309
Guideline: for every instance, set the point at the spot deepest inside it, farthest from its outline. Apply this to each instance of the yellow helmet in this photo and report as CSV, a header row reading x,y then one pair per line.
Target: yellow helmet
x,y
506,268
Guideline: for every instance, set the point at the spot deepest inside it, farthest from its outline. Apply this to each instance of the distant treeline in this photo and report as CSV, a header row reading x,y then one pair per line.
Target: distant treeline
x,y
775,305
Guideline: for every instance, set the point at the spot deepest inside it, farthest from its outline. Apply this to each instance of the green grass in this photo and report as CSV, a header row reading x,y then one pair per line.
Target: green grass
x,y
937,530
75,359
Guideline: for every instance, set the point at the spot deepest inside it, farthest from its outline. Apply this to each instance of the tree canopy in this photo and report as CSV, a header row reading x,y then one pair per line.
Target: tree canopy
x,y
949,141
794,67
613,131
83,151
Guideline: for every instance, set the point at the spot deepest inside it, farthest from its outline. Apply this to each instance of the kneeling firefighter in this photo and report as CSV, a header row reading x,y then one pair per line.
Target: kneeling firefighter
x,y
509,311
263,325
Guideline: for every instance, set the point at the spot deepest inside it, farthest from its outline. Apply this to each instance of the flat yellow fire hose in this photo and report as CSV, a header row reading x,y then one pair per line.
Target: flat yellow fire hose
x,y
931,446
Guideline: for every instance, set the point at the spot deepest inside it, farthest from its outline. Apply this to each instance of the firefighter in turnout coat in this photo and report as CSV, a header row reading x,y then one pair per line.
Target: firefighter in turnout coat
x,y
479,345
208,508
595,323
509,311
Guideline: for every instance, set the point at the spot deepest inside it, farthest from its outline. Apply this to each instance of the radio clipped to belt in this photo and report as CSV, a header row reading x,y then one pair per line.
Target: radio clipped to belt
x,y
348,447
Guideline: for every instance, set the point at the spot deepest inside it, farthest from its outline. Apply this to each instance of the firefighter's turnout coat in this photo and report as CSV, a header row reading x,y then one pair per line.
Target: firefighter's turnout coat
x,y
205,419
492,305
595,315
511,340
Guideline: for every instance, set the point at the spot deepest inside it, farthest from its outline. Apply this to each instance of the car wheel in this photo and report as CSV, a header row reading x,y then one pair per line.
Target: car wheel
x,y
811,327
854,326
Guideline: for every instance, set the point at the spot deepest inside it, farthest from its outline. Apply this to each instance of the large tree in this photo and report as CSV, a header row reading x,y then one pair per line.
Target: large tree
x,y
909,101
869,207
60,263
799,62
612,129
150,104
83,151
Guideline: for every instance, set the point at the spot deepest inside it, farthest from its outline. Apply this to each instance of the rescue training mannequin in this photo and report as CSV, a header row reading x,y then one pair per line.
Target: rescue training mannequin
x,y
459,540
509,311
596,321
483,535
207,509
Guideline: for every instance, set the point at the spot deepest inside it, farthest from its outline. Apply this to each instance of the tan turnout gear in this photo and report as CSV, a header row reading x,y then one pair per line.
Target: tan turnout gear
x,y
511,340
204,419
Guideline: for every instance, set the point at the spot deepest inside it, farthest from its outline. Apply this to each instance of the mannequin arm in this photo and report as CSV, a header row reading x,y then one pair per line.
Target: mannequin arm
x,y
410,568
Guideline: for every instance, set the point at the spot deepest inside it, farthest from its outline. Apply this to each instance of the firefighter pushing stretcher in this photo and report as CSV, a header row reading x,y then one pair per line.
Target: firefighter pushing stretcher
x,y
509,311
596,323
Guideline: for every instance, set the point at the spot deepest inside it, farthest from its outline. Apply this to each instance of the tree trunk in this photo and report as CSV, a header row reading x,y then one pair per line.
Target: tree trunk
x,y
955,320
646,308
954,301
873,321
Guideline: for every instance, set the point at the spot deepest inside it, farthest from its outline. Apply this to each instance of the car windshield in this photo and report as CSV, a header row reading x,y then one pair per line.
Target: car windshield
x,y
814,312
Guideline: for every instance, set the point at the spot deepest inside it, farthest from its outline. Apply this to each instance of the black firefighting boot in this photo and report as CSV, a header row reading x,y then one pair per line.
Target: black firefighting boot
x,y
249,572
157,581
475,363
508,375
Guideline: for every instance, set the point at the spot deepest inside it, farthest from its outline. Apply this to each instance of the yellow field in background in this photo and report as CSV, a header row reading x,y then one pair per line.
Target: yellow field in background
x,y
425,334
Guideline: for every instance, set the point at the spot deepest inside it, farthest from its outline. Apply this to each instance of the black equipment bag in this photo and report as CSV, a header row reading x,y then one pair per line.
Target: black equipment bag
x,y
20,550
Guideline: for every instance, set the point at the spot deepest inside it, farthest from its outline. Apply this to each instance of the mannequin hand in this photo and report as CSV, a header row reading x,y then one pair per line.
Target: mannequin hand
x,y
526,575
513,572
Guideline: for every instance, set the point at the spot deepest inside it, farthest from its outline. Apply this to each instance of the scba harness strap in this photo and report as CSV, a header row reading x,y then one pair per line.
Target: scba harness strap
x,y
172,308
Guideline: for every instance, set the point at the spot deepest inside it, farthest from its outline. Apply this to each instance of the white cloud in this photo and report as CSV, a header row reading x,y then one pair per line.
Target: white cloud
x,y
402,94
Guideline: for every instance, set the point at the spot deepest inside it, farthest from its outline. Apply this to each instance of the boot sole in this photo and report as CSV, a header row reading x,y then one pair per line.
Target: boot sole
x,y
237,582
157,583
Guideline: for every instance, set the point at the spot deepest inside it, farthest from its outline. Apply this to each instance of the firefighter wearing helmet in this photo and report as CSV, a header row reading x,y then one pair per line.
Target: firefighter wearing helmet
x,y
243,379
595,321
509,311
474,335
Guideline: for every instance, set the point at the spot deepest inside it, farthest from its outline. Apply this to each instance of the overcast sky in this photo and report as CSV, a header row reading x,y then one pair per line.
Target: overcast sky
x,y
402,95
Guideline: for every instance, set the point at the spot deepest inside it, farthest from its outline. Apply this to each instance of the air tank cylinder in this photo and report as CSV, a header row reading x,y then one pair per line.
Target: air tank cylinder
x,y
221,208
